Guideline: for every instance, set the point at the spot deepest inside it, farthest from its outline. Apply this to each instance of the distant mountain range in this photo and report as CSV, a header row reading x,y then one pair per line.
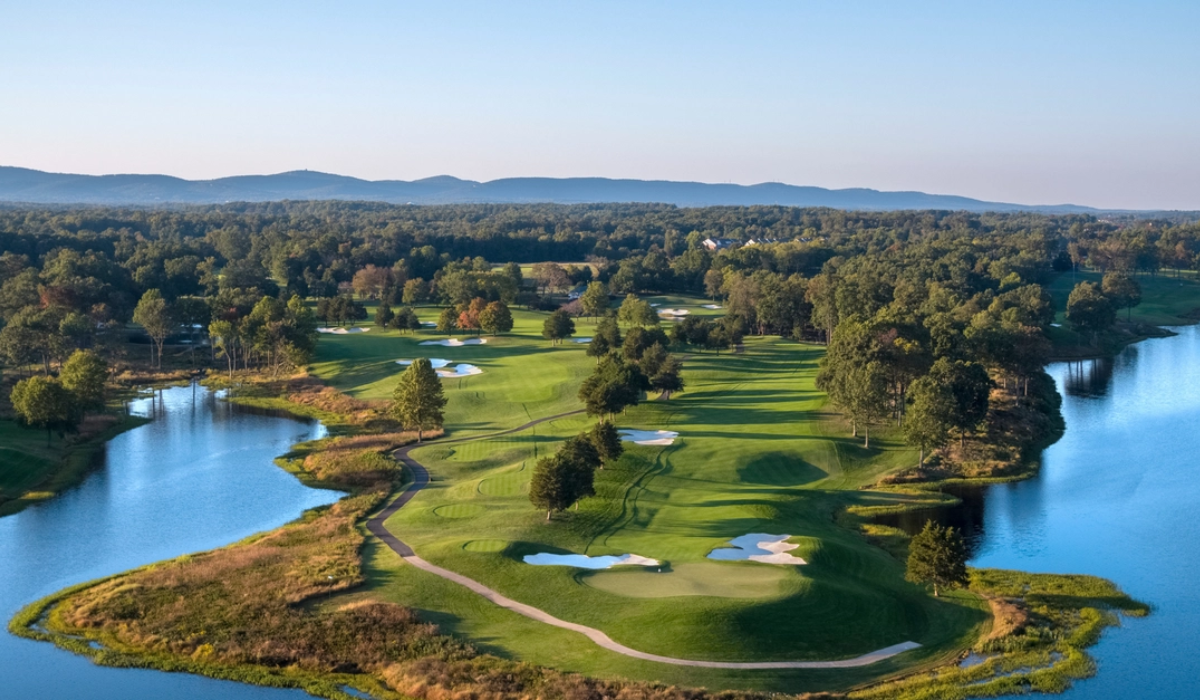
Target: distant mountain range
x,y
36,187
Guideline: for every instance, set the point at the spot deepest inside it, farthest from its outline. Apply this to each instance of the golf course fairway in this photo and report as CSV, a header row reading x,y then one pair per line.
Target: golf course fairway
x,y
757,452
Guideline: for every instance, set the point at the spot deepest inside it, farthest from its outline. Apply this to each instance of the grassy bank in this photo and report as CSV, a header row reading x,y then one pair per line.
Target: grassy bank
x,y
1166,301
31,471
316,603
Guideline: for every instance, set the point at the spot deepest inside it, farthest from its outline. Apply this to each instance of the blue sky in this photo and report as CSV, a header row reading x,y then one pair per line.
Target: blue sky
x,y
1036,102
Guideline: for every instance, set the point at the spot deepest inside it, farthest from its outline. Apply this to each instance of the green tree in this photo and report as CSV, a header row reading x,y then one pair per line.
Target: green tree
x,y
43,402
418,400
929,417
612,387
384,315
581,459
447,320
551,486
1089,311
496,318
513,271
416,291
638,340
937,556
606,339
969,386
595,299
153,314
637,312
607,441
713,281
84,375
1123,290
558,326
668,378
652,359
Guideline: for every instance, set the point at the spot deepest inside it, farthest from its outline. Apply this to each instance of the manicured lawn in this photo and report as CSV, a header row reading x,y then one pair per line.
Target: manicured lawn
x,y
757,453
524,377
1166,299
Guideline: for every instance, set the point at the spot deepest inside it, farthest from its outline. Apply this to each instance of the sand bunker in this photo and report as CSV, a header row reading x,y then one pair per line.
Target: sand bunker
x,y
429,324
461,370
673,312
656,305
712,306
455,342
437,362
648,437
582,340
582,561
343,331
767,549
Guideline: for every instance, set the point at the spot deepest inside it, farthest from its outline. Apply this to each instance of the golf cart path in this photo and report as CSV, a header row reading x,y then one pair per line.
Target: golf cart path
x,y
421,479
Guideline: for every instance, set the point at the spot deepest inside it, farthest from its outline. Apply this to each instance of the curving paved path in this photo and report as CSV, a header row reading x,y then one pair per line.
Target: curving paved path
x,y
421,479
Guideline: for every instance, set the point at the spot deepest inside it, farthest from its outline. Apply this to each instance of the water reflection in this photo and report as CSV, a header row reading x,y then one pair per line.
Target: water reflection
x,y
1088,378
199,476
1116,497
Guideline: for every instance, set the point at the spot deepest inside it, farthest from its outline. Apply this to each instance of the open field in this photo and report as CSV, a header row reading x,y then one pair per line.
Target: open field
x,y
1166,300
756,454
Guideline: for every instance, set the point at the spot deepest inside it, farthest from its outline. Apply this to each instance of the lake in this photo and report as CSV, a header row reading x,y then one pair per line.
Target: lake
x,y
199,476
1117,497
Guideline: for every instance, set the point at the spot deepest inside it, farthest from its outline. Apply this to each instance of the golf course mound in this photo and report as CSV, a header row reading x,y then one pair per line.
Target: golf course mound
x,y
437,362
485,546
693,579
458,510
455,342
759,547
583,561
510,484
648,437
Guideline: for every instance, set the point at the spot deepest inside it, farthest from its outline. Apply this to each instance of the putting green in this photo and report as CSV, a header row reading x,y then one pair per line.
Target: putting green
x,y
694,579
758,454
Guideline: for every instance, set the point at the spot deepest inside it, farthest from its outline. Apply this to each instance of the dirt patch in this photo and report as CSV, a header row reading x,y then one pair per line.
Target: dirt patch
x,y
1009,617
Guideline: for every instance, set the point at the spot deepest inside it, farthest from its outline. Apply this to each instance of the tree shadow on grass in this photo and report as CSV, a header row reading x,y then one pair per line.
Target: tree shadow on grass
x,y
779,469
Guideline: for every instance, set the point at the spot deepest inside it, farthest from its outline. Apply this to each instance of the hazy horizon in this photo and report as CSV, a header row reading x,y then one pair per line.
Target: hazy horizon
x,y
1080,103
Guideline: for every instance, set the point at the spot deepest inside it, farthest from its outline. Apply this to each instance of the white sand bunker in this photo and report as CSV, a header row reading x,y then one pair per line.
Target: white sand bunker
x,y
460,370
767,549
437,362
429,324
712,306
343,331
673,312
656,305
582,340
455,342
582,561
648,437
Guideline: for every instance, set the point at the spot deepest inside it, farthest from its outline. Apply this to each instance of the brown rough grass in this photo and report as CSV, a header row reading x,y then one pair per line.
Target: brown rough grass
x,y
256,602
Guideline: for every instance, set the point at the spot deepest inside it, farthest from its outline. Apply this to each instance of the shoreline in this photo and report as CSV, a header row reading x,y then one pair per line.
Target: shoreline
x,y
330,686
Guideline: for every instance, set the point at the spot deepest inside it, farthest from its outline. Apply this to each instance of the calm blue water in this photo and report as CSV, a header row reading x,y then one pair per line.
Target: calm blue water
x,y
199,476
1118,497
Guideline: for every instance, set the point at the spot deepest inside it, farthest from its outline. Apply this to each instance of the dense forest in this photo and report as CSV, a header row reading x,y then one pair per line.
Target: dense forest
x,y
925,312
